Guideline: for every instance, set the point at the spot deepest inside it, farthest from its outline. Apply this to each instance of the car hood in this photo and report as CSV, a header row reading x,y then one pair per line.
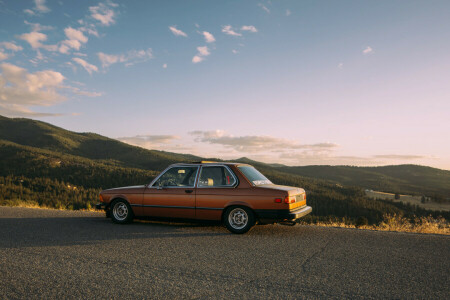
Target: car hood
x,y
290,189
136,189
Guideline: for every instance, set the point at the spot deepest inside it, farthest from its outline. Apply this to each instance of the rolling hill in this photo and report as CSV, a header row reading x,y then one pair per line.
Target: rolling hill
x,y
51,166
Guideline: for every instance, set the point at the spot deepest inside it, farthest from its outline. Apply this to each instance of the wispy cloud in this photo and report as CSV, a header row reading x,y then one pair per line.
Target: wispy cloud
x,y
255,143
250,28
368,50
150,141
39,8
177,32
10,46
201,54
104,12
227,29
288,12
87,66
3,56
209,38
38,27
264,8
130,58
400,156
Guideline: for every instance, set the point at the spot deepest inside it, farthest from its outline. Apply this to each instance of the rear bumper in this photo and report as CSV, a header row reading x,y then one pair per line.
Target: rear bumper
x,y
282,215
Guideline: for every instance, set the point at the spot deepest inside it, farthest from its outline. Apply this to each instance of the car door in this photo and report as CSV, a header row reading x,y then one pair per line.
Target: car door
x,y
172,195
215,188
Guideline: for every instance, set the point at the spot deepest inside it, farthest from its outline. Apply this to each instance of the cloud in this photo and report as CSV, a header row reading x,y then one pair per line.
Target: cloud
x,y
341,65
201,54
3,55
368,50
104,13
250,28
130,58
234,51
256,143
264,8
227,29
150,141
35,40
20,89
11,46
164,66
39,7
75,39
177,32
87,66
288,12
399,156
38,27
197,59
74,34
209,38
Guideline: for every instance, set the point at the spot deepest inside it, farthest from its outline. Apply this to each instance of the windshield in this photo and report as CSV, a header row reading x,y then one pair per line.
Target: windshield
x,y
253,175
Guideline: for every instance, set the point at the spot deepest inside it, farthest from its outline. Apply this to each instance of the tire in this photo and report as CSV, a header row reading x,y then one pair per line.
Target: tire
x,y
121,212
239,219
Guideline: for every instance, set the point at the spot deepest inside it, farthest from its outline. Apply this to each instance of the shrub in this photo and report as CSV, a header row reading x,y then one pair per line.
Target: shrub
x,y
361,221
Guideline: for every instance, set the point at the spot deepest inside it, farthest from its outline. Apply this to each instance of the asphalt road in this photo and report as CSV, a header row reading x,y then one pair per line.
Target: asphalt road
x,y
65,254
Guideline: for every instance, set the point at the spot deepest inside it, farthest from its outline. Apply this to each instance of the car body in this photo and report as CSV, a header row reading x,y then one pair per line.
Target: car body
x,y
234,193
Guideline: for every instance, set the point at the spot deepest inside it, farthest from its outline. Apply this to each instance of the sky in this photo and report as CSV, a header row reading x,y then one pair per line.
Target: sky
x,y
295,82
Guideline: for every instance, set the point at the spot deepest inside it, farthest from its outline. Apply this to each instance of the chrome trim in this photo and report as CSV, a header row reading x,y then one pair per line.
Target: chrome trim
x,y
236,180
150,185
173,206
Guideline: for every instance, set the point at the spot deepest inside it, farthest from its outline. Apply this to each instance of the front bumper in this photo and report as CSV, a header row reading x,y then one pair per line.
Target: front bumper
x,y
100,206
283,215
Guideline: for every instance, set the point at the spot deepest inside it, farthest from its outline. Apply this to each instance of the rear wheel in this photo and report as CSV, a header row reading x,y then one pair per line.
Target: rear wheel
x,y
239,219
121,212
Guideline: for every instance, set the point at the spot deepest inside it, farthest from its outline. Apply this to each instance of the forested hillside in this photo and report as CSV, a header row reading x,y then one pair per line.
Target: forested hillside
x,y
49,166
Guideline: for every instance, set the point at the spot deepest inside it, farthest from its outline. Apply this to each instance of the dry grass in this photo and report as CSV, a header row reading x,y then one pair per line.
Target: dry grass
x,y
33,204
413,200
401,224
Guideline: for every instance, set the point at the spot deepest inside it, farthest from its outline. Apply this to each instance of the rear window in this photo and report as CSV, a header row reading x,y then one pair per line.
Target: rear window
x,y
253,175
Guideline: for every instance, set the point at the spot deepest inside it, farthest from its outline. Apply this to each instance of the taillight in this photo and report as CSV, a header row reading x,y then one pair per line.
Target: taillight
x,y
289,200
101,198
278,200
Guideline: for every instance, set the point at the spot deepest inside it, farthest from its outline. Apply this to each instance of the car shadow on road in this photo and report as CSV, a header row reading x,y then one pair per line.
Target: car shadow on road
x,y
31,232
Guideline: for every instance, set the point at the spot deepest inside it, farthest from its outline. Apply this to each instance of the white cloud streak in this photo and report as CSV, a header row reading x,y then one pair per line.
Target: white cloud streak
x,y
368,50
177,32
227,29
249,28
87,66
130,58
10,46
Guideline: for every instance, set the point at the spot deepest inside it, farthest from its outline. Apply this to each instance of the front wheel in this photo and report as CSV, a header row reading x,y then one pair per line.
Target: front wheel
x,y
121,212
239,219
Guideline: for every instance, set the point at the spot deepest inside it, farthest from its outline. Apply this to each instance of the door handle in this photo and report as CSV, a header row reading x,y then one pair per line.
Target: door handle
x,y
188,191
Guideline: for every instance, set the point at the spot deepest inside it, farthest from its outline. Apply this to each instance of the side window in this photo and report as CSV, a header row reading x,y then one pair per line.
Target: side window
x,y
216,176
178,177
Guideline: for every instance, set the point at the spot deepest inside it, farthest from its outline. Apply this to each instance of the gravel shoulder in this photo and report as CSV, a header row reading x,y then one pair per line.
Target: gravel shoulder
x,y
72,254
